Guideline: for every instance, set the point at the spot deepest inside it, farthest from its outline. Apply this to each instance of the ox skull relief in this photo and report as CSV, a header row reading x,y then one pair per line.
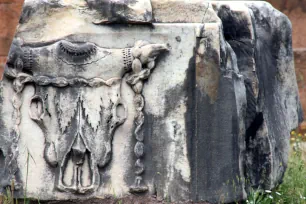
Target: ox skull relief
x,y
78,104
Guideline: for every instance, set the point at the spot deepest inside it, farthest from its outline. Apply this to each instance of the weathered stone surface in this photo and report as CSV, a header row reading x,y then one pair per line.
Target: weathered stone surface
x,y
296,11
114,11
193,107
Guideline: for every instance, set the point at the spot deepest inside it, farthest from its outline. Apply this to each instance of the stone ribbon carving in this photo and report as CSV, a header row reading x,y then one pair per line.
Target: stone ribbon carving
x,y
136,81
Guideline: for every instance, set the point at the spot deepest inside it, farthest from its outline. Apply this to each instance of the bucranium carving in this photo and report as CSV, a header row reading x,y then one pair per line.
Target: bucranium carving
x,y
78,101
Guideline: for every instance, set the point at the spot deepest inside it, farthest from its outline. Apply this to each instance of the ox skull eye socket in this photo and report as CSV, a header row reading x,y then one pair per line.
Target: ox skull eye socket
x,y
120,111
36,108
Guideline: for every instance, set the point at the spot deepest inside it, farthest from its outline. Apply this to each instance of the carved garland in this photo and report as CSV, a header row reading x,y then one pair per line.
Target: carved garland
x,y
135,80
21,79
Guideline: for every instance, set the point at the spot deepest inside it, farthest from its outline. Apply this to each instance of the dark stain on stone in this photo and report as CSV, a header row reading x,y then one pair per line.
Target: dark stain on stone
x,y
173,98
116,12
26,13
155,152
258,170
123,26
207,144
178,38
252,130
29,10
1,98
11,170
2,161
104,174
212,146
238,35
15,53
273,34
234,25
190,116
299,110
130,175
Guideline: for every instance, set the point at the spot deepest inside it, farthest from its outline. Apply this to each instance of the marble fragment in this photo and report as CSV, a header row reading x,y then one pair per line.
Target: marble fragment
x,y
124,97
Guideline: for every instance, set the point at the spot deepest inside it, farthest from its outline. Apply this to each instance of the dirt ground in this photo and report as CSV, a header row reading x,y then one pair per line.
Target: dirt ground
x,y
127,200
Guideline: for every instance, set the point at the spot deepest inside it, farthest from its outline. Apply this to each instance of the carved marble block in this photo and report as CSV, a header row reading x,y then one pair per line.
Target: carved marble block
x,y
186,100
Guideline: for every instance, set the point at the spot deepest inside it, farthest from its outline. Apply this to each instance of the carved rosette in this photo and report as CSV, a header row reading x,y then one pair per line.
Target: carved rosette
x,y
76,105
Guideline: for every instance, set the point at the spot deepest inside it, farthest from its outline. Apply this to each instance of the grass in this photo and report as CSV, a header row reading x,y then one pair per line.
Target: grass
x,y
293,188
8,198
